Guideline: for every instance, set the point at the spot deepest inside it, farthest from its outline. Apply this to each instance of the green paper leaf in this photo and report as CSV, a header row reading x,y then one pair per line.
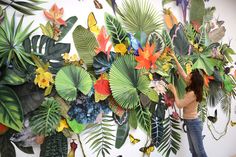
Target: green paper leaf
x,y
75,126
69,24
85,43
46,118
115,29
10,109
133,119
121,134
71,79
152,94
143,116
126,82
197,11
10,77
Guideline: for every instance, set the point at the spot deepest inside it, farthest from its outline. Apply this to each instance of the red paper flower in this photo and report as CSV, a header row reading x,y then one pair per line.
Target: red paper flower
x,y
102,88
103,39
147,58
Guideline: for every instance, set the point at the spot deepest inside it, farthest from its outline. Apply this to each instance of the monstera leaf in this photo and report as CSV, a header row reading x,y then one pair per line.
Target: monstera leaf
x,y
205,63
85,43
101,64
126,82
115,29
71,79
49,50
10,109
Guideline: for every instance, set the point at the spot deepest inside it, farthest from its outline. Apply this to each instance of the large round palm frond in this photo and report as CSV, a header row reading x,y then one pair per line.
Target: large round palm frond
x,y
140,15
126,82
71,79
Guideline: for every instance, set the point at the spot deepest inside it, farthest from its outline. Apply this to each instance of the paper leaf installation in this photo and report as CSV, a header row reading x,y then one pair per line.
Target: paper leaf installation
x,y
116,82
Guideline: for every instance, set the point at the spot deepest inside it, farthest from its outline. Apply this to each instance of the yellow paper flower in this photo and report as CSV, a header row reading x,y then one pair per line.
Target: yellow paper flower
x,y
74,58
66,56
166,67
43,78
62,125
120,48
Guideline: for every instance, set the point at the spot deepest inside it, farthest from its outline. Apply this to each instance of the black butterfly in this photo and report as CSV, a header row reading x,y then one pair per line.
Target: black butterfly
x,y
213,119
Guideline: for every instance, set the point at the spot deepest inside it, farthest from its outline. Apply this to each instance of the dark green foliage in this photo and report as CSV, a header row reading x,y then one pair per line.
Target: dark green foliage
x,y
121,134
54,146
47,49
101,63
6,147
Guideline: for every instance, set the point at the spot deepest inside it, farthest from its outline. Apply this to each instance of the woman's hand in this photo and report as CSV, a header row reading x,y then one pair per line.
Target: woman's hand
x,y
171,87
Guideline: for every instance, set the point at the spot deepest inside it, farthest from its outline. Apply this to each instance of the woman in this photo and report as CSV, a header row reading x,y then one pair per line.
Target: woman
x,y
193,96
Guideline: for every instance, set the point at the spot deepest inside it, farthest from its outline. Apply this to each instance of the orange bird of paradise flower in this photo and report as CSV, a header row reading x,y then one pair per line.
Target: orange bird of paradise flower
x,y
147,58
55,15
207,79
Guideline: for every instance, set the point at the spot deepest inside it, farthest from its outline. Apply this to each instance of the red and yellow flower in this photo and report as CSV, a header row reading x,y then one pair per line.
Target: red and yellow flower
x,y
55,15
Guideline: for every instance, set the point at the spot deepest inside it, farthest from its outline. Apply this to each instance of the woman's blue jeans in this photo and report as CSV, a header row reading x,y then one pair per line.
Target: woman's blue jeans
x,y
194,132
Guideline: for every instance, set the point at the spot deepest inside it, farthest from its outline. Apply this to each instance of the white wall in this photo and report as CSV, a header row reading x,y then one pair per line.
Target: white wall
x,y
225,147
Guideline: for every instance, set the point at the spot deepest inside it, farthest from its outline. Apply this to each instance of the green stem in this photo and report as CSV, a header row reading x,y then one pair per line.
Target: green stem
x,y
81,145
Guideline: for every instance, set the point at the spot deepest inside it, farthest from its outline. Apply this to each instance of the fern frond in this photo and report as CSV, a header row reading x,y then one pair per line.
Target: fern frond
x,y
171,138
143,116
101,136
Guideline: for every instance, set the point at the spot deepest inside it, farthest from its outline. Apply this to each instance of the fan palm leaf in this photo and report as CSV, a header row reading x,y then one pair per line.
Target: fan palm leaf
x,y
126,82
140,16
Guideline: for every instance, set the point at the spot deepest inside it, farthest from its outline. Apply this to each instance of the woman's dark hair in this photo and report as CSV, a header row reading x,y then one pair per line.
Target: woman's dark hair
x,y
197,83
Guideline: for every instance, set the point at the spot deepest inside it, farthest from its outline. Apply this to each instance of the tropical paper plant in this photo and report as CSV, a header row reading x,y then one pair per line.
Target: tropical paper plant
x,y
26,6
140,16
11,110
46,118
70,80
126,82
101,136
12,37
